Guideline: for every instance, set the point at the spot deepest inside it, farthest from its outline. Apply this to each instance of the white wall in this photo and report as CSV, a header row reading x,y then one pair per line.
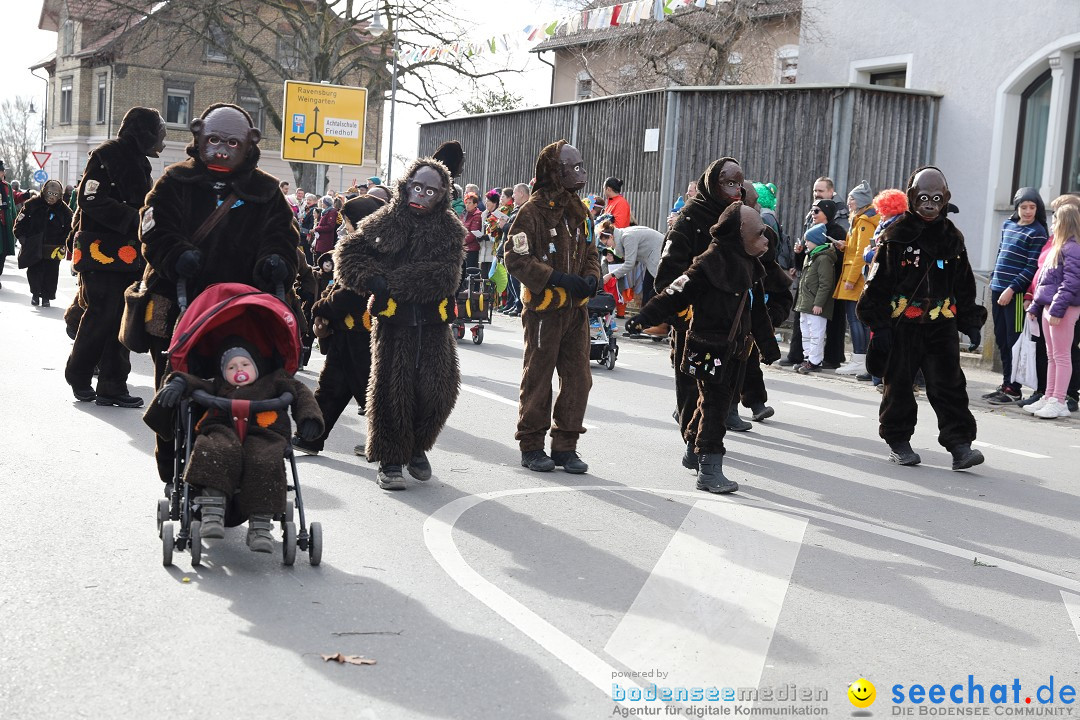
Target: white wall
x,y
970,51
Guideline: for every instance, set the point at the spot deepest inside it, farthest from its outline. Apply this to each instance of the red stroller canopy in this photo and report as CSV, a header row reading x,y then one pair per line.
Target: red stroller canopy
x,y
228,309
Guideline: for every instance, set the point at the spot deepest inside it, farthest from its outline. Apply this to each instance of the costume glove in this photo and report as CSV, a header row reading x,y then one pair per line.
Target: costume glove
x,y
975,336
273,270
591,280
633,326
169,396
376,285
188,264
877,352
576,285
309,429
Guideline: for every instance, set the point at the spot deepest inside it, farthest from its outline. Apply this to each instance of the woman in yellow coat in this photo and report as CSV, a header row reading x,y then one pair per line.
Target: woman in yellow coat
x,y
864,220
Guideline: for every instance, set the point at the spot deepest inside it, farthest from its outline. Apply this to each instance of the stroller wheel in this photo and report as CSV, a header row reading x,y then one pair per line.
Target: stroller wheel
x,y
459,331
478,335
610,362
196,543
162,513
315,544
168,540
288,544
290,514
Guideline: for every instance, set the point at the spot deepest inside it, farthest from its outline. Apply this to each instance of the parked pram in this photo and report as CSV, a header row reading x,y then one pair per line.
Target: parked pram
x,y
268,323
475,302
603,347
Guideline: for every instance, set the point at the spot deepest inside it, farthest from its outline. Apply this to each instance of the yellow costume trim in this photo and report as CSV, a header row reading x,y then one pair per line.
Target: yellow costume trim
x,y
149,314
548,297
58,254
349,321
367,321
95,253
265,419
563,297
525,294
391,308
442,310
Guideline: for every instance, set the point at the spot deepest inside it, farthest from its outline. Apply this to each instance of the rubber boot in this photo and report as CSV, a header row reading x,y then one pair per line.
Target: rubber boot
x,y
419,467
211,504
259,537
734,422
902,454
690,457
711,474
963,457
761,411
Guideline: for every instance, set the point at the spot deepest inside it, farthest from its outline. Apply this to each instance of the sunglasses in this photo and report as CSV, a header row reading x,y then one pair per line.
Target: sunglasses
x,y
818,210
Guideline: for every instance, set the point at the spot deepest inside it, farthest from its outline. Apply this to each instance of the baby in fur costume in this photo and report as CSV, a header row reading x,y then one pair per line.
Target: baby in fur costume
x,y
236,464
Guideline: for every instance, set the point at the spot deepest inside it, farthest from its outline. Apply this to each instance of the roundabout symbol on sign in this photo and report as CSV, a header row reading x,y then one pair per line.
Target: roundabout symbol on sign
x,y
40,176
313,134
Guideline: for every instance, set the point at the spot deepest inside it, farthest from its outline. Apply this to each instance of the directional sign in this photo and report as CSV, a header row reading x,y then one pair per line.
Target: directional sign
x,y
40,176
41,158
326,123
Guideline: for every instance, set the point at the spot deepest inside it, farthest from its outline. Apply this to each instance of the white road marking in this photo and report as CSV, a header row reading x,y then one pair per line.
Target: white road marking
x,y
438,537
822,409
1023,453
710,606
1072,606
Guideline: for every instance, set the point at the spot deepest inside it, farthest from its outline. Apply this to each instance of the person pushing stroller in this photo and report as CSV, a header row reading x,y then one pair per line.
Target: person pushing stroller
x,y
236,468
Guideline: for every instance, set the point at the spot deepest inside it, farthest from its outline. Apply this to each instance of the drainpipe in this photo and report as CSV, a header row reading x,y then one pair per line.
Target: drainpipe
x,y
551,95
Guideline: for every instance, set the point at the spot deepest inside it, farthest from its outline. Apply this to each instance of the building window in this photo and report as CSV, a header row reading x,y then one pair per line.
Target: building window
x,y
65,100
63,172
1031,133
215,46
249,100
1071,181
889,78
787,64
288,52
178,103
584,86
67,38
102,98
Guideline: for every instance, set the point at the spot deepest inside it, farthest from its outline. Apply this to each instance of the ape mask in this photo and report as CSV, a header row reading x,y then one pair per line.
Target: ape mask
x,y
752,231
571,168
425,190
729,183
928,194
225,136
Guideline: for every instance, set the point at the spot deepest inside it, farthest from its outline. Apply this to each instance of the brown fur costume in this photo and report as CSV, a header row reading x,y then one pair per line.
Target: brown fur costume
x,y
549,234
252,473
414,364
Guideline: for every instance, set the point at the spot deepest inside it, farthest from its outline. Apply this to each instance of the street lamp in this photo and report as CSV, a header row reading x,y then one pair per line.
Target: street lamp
x,y
377,29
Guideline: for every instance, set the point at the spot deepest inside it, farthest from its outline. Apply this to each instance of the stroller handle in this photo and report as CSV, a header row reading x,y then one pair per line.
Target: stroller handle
x,y
219,403
182,298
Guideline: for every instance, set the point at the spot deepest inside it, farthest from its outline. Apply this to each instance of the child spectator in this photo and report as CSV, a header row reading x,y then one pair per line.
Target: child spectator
x,y
1023,235
815,301
864,221
1057,300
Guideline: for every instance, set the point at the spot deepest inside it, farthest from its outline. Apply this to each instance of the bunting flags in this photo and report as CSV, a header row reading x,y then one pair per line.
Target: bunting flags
x,y
616,15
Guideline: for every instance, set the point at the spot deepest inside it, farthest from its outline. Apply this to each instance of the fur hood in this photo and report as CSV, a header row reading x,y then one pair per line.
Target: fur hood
x,y
725,263
548,194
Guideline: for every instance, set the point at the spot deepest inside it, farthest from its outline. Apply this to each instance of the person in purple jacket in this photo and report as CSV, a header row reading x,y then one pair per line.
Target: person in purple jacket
x,y
1057,299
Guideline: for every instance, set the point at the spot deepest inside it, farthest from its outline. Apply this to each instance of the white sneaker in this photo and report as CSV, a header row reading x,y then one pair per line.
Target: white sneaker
x,y
1053,408
1036,406
856,366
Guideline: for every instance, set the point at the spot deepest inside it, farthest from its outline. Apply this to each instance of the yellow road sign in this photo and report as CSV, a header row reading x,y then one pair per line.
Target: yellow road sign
x,y
323,123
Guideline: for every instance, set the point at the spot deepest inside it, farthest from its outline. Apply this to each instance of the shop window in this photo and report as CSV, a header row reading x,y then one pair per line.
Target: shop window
x,y
1031,133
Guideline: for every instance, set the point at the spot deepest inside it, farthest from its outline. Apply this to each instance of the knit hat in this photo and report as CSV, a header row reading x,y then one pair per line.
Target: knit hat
x,y
766,195
816,235
241,377
828,207
375,180
862,194
1029,194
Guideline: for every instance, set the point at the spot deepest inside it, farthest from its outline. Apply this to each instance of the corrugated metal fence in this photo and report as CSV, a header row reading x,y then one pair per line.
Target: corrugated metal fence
x,y
788,135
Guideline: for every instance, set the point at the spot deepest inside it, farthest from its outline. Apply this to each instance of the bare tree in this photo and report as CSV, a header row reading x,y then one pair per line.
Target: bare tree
x,y
487,101
16,139
270,41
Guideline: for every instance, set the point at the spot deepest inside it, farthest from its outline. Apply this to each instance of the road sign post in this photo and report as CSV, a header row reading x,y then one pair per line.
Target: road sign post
x,y
326,123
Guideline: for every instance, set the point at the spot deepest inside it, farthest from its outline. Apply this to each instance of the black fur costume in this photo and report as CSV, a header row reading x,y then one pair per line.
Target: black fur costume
x,y
42,230
775,287
105,250
414,364
714,284
920,291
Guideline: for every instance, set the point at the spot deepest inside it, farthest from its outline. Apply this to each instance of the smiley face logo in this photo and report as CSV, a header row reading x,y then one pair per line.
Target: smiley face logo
x,y
862,693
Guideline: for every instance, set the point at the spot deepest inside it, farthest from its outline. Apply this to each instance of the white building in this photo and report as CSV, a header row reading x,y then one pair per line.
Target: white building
x,y
1010,80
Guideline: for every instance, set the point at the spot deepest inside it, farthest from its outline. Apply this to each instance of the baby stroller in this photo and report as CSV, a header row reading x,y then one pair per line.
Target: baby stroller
x,y
475,302
221,311
603,347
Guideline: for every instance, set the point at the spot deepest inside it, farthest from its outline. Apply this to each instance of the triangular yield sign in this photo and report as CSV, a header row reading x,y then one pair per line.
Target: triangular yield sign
x,y
41,158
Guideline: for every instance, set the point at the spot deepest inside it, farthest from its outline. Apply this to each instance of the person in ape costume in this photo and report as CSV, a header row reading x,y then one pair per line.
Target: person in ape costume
x,y
255,242
727,322
718,187
551,251
105,253
408,255
919,292
774,290
341,321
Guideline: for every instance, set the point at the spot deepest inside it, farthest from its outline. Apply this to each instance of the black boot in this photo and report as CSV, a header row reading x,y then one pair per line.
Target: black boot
x,y
761,411
690,457
211,504
125,400
419,467
569,461
711,474
34,300
84,394
734,422
963,457
902,454
537,461
390,477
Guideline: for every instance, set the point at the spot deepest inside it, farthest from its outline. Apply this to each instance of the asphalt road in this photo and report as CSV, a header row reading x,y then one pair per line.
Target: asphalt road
x,y
493,592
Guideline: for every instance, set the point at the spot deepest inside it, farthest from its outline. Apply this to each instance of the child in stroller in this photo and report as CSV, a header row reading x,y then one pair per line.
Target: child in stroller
x,y
603,347
234,468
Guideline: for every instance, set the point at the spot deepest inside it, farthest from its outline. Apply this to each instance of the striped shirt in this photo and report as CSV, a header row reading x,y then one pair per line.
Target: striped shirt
x,y
1018,256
